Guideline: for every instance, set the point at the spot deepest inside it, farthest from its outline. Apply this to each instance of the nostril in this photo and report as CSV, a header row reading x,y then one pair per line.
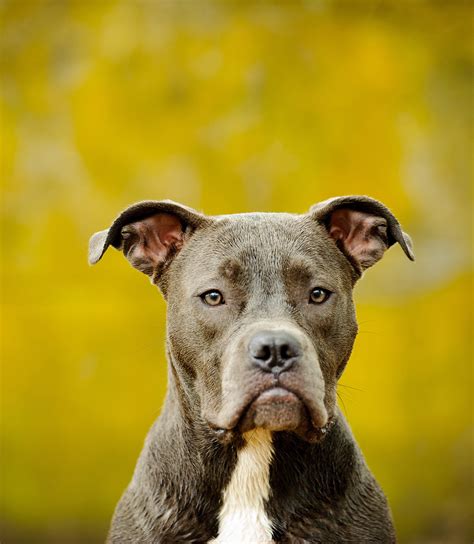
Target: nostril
x,y
263,352
261,348
285,352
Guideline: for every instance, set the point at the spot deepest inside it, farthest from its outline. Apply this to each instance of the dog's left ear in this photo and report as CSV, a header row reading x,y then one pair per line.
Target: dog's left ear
x,y
362,227
149,233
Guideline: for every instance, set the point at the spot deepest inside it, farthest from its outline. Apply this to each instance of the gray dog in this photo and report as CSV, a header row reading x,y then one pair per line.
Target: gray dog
x,y
250,447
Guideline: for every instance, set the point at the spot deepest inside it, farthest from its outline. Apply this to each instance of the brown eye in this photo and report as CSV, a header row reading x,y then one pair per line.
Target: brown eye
x,y
212,298
319,295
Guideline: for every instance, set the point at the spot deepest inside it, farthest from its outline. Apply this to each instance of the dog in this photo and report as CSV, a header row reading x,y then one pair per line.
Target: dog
x,y
250,446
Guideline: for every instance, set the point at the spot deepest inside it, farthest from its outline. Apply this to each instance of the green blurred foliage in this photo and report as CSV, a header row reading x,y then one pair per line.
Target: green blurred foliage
x,y
228,107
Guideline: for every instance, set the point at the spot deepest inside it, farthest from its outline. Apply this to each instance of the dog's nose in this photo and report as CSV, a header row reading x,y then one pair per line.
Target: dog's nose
x,y
274,351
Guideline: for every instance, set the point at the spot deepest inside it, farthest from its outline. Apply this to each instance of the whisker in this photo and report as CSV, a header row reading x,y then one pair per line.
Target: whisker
x,y
350,387
342,402
368,321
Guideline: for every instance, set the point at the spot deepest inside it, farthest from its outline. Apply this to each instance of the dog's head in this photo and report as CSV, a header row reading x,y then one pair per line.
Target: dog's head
x,y
261,321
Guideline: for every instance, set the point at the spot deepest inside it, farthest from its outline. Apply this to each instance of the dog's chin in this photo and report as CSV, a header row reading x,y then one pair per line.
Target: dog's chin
x,y
276,409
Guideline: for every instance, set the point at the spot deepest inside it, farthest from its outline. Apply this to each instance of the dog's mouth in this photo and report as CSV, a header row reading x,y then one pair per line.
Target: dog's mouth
x,y
285,402
277,408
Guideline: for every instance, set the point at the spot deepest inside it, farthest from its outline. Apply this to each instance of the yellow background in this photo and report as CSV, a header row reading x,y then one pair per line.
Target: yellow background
x,y
228,107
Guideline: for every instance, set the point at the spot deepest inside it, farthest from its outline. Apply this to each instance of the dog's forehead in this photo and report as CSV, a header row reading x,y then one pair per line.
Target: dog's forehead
x,y
259,242
259,234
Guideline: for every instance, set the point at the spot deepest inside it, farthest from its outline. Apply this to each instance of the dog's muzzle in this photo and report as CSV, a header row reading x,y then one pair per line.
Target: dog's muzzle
x,y
272,380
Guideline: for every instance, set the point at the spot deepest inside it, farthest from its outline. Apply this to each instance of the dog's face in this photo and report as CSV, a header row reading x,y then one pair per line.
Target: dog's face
x,y
260,315
261,307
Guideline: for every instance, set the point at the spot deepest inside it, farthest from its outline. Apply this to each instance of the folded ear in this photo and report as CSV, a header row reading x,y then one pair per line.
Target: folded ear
x,y
362,227
149,233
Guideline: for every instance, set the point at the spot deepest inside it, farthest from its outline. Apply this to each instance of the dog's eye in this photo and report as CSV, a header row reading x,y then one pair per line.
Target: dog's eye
x,y
319,295
212,298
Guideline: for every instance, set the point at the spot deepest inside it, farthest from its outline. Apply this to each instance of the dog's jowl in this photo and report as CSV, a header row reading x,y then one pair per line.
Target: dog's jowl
x,y
250,446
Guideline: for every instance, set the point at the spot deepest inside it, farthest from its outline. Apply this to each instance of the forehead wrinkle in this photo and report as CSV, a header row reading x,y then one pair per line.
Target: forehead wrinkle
x,y
297,270
265,273
232,270
262,250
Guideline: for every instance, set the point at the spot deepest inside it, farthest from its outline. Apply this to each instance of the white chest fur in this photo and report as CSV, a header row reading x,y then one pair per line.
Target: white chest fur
x,y
242,519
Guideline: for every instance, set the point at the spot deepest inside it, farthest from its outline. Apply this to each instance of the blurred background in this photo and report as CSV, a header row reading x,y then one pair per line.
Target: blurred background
x,y
228,107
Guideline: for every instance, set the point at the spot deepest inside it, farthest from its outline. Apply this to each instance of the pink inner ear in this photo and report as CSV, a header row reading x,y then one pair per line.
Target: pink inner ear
x,y
156,235
363,236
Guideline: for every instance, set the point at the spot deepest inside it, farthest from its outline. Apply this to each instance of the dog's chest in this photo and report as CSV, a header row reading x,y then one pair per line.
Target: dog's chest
x,y
242,517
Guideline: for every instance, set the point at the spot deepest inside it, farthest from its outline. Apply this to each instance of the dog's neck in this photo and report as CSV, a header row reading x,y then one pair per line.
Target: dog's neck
x,y
249,482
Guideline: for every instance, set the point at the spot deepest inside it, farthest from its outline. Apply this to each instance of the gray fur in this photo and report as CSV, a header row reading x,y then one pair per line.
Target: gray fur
x,y
265,265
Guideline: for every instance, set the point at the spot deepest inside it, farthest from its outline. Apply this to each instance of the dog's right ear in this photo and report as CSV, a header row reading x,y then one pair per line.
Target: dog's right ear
x,y
149,233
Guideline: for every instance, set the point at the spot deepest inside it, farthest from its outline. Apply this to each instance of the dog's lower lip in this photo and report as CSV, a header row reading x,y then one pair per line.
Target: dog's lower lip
x,y
275,408
282,393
